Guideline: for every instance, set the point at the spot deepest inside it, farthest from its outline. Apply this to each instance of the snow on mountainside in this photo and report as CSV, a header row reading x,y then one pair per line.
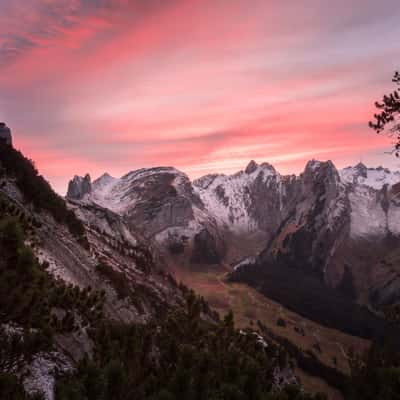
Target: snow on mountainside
x,y
162,203
165,205
373,197
121,194
338,228
372,177
256,199
230,198
316,221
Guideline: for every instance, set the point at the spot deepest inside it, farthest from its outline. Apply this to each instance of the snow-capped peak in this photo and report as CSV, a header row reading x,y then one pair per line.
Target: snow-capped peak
x,y
103,180
253,199
254,169
313,165
230,197
205,181
147,172
121,194
251,167
372,177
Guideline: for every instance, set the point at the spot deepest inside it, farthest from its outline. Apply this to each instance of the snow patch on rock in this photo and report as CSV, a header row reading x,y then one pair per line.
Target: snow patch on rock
x,y
367,215
247,261
228,197
372,177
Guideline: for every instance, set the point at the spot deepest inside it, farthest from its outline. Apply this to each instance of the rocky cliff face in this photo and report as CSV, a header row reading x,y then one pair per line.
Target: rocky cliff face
x,y
318,222
153,198
107,258
109,241
337,228
79,187
161,204
251,200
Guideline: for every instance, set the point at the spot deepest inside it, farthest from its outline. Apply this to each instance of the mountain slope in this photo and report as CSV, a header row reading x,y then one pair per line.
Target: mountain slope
x,y
318,221
317,243
89,313
161,204
73,259
339,228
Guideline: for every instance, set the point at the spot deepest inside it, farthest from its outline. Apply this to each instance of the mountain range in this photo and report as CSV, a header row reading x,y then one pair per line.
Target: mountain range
x,y
86,277
341,227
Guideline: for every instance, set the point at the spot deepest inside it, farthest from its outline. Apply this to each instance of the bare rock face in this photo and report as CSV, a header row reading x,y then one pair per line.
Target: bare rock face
x,y
162,199
205,249
151,199
5,133
317,222
40,377
109,248
247,202
251,167
160,203
79,187
339,229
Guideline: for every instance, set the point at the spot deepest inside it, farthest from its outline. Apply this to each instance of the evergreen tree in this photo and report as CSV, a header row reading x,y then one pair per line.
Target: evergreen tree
x,y
388,119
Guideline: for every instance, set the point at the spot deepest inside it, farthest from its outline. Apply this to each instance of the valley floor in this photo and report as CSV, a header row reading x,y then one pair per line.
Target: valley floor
x,y
328,345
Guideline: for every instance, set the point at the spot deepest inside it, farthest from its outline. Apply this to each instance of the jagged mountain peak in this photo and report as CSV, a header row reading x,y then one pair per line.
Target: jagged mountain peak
x,y
360,166
255,199
375,178
316,165
205,181
310,218
320,173
79,178
251,167
246,176
79,187
103,180
104,176
312,165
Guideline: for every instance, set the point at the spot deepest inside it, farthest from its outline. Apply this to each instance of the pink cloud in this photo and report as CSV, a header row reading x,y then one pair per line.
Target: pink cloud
x,y
201,85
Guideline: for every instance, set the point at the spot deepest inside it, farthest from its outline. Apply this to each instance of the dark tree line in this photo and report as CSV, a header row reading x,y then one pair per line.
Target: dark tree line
x,y
181,356
37,190
28,296
186,354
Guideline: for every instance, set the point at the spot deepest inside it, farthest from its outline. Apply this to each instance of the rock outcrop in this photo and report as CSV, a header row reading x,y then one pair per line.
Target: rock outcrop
x,y
5,133
79,187
160,203
111,269
319,222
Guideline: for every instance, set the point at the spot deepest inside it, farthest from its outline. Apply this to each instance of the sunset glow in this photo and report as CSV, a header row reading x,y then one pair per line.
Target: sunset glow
x,y
205,86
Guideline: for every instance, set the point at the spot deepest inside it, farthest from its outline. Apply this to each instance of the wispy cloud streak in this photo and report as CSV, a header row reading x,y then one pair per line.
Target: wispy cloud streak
x,y
203,85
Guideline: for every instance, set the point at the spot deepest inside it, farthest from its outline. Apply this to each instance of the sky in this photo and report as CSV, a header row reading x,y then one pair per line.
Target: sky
x,y
202,85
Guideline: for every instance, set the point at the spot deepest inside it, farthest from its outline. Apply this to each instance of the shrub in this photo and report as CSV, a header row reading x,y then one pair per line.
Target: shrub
x,y
281,322
117,280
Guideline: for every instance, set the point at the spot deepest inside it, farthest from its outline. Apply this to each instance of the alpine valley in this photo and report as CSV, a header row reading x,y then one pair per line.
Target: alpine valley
x,y
337,230
313,257
124,288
